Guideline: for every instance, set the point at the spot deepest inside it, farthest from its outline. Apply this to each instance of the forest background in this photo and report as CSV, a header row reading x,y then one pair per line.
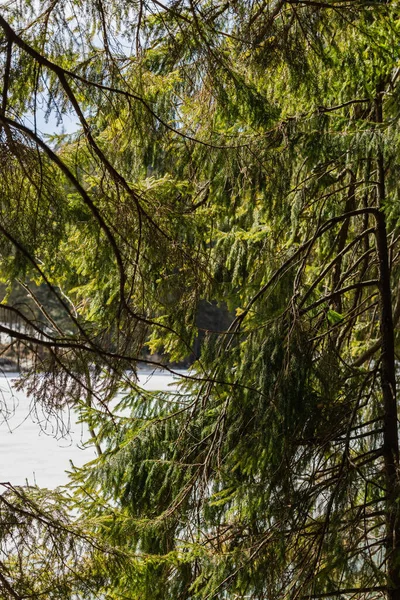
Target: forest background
x,y
242,155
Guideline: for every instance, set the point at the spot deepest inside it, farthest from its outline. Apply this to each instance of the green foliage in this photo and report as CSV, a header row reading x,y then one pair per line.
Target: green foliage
x,y
245,156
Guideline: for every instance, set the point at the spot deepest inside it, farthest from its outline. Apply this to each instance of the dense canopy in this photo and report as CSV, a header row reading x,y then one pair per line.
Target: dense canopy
x,y
239,155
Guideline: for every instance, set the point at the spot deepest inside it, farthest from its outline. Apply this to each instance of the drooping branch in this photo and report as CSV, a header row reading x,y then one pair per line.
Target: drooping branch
x,y
6,77
62,72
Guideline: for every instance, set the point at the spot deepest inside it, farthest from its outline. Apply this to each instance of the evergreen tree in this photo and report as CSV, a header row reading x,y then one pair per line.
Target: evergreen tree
x,y
239,153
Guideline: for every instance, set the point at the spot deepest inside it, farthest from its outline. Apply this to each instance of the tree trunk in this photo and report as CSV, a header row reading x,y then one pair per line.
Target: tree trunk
x,y
388,383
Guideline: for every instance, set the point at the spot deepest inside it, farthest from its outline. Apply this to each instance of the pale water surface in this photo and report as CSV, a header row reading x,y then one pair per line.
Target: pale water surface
x,y
37,450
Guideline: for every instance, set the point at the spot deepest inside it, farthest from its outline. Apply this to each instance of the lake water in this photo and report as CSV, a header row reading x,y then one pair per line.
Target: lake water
x,y
36,450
